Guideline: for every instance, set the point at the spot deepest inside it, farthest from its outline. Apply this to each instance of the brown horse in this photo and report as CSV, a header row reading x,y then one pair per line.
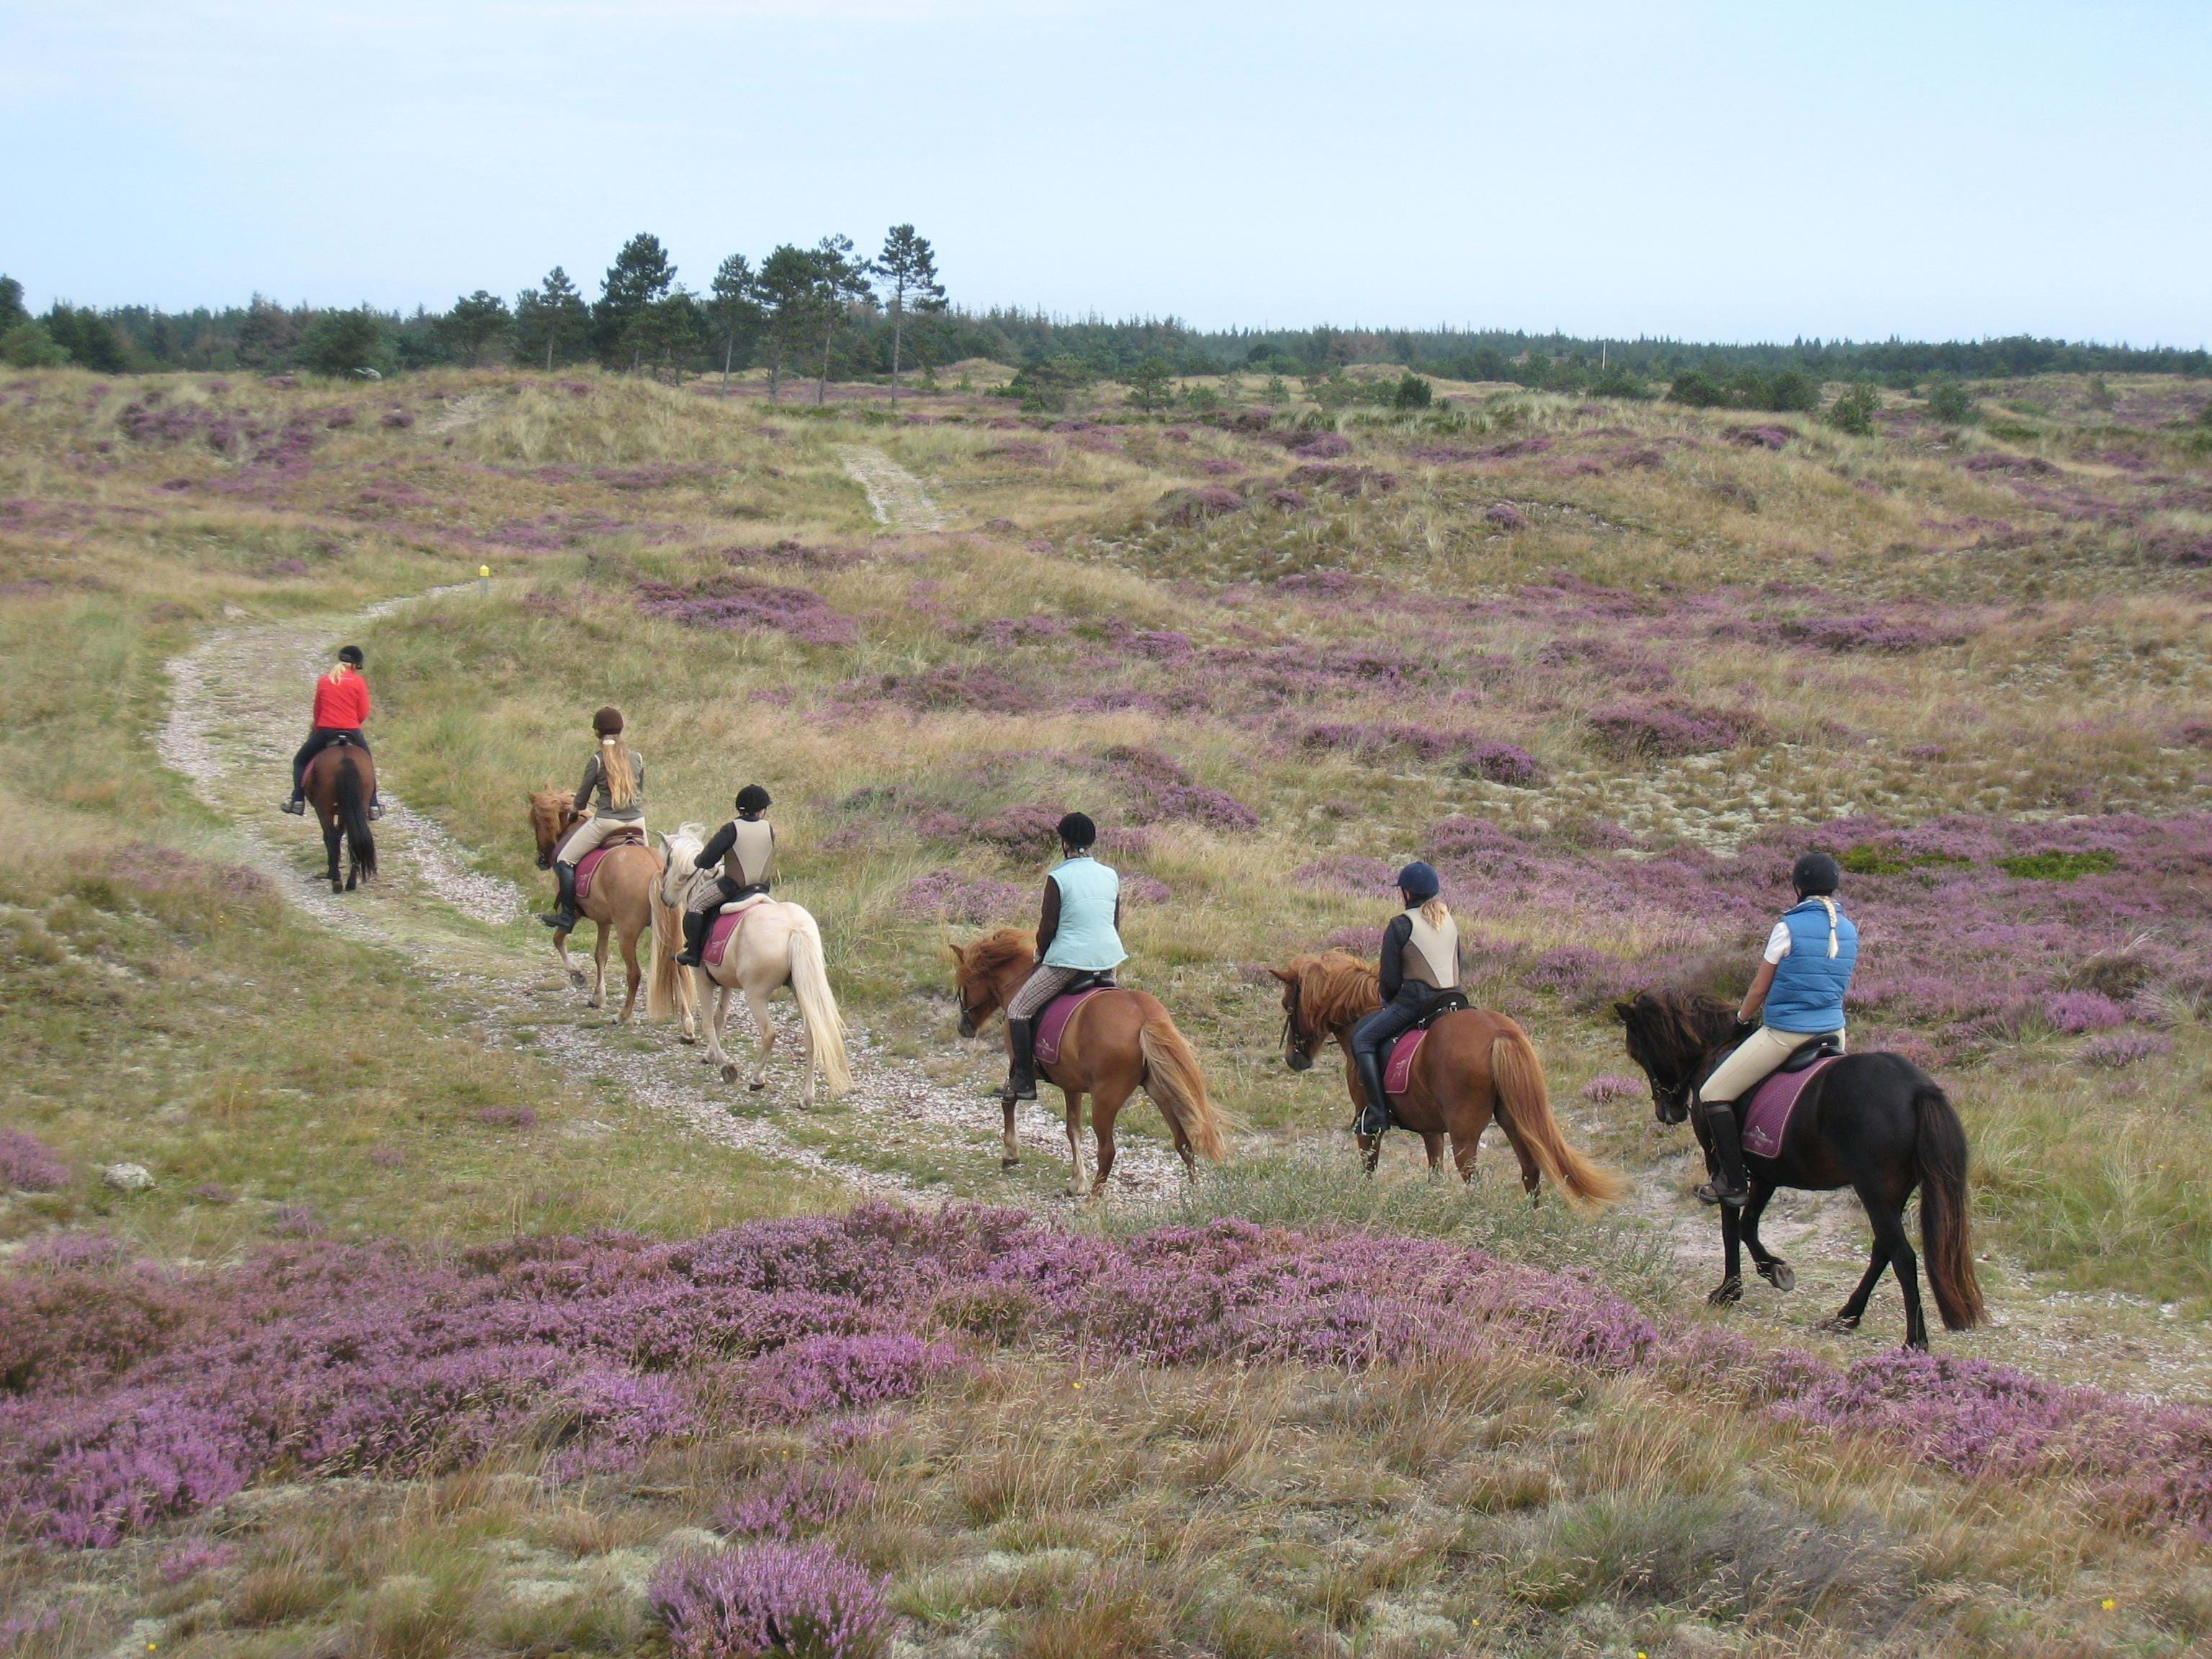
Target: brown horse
x,y
621,898
340,782
1475,1064
1117,1041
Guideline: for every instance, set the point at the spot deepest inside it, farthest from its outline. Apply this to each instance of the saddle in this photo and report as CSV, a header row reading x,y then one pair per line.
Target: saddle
x,y
1052,1019
588,865
1398,1070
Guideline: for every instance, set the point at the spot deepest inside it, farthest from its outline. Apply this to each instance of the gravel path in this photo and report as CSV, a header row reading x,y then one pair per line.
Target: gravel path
x,y
894,495
233,722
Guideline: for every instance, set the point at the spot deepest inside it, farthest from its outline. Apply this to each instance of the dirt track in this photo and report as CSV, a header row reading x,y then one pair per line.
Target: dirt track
x,y
235,719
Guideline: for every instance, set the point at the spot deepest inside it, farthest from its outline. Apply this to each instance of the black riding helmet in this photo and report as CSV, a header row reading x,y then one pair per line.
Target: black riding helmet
x,y
349,655
752,802
1076,830
1815,875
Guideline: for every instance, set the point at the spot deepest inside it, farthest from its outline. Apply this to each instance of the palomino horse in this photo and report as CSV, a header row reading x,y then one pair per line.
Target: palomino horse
x,y
776,944
1116,1041
340,782
621,899
1475,1066
1874,1122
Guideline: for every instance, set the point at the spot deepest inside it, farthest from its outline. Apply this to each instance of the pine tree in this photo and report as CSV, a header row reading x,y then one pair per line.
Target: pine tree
x,y
554,319
640,277
840,283
1150,388
263,334
907,268
476,321
788,290
734,309
12,313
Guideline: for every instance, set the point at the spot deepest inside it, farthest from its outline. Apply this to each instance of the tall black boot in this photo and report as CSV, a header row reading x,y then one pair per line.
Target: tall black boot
x,y
1376,1117
1729,1187
695,923
561,919
1021,1079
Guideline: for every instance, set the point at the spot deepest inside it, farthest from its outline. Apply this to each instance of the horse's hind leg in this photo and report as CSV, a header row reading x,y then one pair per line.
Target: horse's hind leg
x,y
1772,1267
634,975
1434,1146
1104,1109
1077,1185
597,999
757,1005
1847,1317
330,837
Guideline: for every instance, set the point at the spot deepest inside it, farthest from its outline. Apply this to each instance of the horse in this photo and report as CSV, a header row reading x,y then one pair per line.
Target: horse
x,y
1116,1041
1476,1066
621,899
776,944
340,782
1874,1122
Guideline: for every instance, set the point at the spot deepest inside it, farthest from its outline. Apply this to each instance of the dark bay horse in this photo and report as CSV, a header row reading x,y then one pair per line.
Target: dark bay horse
x,y
340,782
1118,1041
1475,1067
1874,1122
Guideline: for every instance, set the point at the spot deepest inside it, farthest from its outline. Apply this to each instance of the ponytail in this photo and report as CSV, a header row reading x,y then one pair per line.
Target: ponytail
x,y
614,764
1436,912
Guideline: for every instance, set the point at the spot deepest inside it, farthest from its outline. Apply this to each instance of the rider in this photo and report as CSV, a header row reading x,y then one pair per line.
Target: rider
x,y
1079,934
1802,975
746,848
614,783
1420,964
341,709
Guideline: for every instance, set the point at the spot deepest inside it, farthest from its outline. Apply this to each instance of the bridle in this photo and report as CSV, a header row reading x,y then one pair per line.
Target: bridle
x,y
1298,1047
971,1022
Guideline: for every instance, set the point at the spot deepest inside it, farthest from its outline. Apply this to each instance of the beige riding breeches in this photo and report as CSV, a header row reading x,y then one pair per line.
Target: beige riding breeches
x,y
1753,1062
586,837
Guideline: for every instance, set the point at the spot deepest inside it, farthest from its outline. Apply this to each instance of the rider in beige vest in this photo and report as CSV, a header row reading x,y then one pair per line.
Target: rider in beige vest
x,y
1420,964
746,848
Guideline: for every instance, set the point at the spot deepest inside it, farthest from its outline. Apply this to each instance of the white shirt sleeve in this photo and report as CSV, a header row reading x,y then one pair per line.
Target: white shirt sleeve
x,y
1777,942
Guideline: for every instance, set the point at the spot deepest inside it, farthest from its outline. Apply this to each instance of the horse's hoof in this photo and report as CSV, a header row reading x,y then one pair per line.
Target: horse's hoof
x,y
1778,1274
1010,1163
729,1073
757,1085
576,978
1838,1323
687,1037
1727,1291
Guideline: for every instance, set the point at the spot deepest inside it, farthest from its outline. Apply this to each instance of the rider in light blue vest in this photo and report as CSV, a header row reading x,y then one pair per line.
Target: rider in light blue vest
x,y
1797,996
1079,934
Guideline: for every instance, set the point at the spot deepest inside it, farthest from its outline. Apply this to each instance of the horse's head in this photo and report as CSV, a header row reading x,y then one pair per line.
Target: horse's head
x,y
677,873
1670,1035
1322,995
552,815
985,972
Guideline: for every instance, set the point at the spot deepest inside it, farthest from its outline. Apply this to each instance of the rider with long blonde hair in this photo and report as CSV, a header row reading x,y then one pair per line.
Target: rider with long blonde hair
x,y
614,788
1418,964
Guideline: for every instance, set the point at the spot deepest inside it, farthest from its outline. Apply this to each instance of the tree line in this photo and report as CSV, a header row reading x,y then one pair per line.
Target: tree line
x,y
827,312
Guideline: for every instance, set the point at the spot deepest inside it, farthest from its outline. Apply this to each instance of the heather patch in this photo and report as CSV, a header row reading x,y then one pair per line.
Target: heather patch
x,y
27,1164
739,604
953,895
1865,632
1669,728
1343,479
1190,506
1159,790
770,1602
978,689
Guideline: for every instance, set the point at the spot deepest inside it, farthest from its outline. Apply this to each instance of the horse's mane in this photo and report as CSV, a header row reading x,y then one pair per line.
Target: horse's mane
x,y
1674,1031
1335,988
685,841
992,952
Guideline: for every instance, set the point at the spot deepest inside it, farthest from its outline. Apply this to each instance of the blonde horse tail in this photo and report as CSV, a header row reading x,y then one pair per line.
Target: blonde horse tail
x,y
1525,1103
817,1005
663,990
1178,1087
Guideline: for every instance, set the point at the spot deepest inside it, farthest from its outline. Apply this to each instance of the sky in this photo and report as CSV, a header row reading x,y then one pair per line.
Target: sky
x,y
1701,171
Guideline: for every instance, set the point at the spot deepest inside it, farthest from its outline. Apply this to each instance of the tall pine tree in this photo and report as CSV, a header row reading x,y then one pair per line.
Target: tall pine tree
x,y
840,283
788,291
639,279
734,309
552,320
906,269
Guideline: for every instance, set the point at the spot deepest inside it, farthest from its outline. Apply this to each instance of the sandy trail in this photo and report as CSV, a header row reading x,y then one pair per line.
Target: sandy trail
x,y
233,724
896,496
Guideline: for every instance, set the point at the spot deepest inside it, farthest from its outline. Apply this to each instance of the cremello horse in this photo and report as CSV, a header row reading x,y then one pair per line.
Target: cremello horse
x,y
778,944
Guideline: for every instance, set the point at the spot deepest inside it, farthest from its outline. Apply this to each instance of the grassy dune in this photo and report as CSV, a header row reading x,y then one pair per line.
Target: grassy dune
x,y
1608,665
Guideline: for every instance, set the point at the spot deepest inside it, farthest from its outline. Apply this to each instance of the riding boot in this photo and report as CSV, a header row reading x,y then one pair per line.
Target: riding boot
x,y
375,804
297,806
561,919
1021,1079
1729,1187
1376,1117
695,923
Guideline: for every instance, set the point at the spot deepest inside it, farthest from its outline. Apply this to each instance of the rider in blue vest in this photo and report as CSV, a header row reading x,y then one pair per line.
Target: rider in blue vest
x,y
1799,991
1079,934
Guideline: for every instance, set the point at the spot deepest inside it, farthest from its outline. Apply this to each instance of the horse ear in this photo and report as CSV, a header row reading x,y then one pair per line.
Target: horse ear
x,y
1622,1010
1287,979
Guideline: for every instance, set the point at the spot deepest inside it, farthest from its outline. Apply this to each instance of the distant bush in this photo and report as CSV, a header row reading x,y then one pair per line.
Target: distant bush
x,y
1854,411
342,342
1951,403
1788,389
1619,383
1412,392
2059,866
27,345
1698,389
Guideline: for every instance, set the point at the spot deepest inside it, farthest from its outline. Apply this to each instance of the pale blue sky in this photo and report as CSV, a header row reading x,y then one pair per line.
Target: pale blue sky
x,y
1714,171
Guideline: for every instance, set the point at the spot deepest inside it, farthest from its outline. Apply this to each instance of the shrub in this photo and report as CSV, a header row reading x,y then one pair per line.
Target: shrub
x,y
1411,392
1619,383
2057,866
1698,389
1951,403
2075,1012
1670,729
27,345
770,1602
342,342
27,1164
1854,411
740,603
2118,1049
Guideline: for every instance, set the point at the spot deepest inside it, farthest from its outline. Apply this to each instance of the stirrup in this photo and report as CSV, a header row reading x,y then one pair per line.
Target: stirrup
x,y
1369,1115
1710,1193
560,921
1014,1089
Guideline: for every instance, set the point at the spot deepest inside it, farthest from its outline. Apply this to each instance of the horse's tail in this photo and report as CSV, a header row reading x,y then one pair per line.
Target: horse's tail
x,y
1178,1087
663,985
1940,1157
352,801
1525,1101
818,1005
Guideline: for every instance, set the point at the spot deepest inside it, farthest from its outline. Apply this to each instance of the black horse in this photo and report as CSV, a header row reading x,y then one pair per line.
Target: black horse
x,y
1876,1123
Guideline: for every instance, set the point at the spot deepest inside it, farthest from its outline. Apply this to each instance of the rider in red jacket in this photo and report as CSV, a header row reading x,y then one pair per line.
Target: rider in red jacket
x,y
341,710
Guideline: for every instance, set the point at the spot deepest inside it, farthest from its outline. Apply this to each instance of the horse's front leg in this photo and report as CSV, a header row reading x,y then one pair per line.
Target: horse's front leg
x,y
1011,1152
713,1005
599,966
757,1005
561,955
1370,1151
1772,1267
1730,1289
1433,1144
1078,1186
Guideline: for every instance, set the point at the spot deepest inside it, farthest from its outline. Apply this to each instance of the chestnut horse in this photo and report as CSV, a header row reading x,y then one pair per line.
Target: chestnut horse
x,y
1475,1066
621,898
776,944
1116,1041
340,782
